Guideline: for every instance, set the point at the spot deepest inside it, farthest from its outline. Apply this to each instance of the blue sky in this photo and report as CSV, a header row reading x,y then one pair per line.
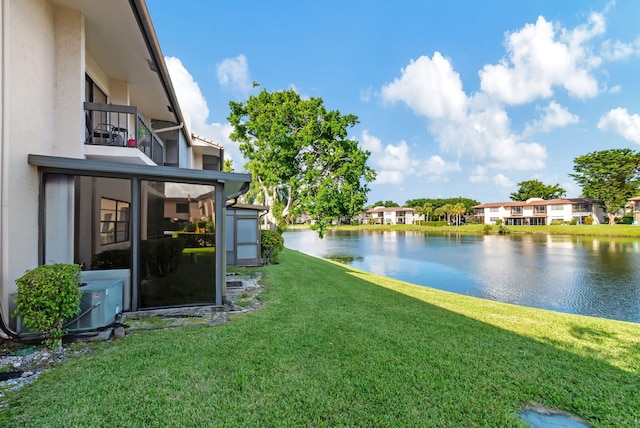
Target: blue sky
x,y
454,98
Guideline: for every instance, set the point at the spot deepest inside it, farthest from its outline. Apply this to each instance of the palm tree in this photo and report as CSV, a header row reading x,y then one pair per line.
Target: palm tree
x,y
457,210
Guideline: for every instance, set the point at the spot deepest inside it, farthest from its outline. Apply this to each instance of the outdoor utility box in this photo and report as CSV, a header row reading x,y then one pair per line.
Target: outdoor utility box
x,y
101,302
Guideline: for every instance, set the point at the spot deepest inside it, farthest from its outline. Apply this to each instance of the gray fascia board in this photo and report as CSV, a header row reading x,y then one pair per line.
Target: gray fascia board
x,y
234,183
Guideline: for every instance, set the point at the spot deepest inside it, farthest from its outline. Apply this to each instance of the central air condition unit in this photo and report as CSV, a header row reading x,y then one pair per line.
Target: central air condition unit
x,y
100,304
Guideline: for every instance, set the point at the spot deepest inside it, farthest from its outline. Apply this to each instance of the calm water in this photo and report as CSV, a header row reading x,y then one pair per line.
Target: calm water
x,y
581,275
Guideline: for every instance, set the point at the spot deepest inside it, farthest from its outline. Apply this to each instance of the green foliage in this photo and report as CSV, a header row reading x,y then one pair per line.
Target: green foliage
x,y
300,154
386,204
588,220
228,165
499,222
612,176
487,229
271,244
439,202
537,189
626,219
46,297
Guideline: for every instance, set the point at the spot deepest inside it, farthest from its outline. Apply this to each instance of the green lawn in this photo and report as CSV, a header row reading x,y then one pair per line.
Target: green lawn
x,y
338,347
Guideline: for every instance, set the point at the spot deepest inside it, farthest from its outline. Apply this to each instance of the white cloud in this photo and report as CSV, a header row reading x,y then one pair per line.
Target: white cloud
x,y
615,89
191,100
541,57
553,116
365,94
389,177
370,142
194,106
479,175
501,180
396,162
617,50
435,165
233,74
622,123
430,87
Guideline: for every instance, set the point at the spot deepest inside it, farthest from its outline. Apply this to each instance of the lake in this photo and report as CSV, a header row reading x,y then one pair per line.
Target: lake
x,y
580,275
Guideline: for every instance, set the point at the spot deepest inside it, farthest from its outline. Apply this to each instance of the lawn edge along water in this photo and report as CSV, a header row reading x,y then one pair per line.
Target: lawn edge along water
x,y
334,346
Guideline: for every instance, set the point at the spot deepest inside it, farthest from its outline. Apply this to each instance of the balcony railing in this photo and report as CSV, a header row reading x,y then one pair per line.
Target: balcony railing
x,y
121,126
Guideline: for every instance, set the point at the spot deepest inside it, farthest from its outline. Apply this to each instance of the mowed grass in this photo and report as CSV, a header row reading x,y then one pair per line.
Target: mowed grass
x,y
605,230
334,346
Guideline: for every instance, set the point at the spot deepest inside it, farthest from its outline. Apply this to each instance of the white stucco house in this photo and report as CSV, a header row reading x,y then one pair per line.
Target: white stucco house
x,y
536,211
392,215
92,144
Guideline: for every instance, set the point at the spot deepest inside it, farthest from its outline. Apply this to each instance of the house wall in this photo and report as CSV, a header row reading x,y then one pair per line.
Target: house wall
x,y
30,82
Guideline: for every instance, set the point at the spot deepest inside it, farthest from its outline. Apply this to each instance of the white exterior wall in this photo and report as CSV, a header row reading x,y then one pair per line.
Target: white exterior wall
x,y
43,82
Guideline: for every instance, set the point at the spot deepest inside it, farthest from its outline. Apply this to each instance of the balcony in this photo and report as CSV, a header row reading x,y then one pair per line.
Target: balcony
x,y
124,128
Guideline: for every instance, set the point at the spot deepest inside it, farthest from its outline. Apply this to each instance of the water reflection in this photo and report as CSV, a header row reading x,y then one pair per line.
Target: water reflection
x,y
582,275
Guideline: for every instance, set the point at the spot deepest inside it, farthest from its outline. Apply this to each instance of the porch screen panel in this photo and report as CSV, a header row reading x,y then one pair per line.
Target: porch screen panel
x,y
177,248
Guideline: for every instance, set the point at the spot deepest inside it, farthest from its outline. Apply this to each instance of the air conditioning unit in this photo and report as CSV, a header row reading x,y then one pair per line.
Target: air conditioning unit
x,y
101,302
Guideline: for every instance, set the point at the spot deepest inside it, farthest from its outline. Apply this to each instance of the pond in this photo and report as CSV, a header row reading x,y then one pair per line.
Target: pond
x,y
581,275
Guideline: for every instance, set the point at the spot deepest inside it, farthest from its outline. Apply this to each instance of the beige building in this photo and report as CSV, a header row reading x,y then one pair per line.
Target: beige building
x,y
536,211
92,143
393,215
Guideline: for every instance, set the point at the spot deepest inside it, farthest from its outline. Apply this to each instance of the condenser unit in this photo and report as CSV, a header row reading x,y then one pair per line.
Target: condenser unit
x,y
101,302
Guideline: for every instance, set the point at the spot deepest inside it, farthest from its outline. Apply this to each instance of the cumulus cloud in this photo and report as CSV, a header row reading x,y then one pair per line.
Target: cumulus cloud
x,y
430,87
540,57
395,162
622,123
479,175
553,116
194,106
233,74
191,100
501,180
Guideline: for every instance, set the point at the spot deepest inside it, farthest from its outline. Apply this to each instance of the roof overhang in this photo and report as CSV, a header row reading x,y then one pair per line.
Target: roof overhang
x,y
235,184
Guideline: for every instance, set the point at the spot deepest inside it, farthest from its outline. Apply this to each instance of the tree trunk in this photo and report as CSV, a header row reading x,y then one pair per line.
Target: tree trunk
x,y
612,218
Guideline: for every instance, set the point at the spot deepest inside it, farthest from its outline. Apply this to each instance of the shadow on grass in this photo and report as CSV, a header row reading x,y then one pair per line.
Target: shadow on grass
x,y
333,349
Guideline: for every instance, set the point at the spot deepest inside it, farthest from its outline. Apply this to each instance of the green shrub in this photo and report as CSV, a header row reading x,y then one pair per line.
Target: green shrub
x,y
47,296
487,228
272,243
196,240
588,220
573,222
626,219
499,222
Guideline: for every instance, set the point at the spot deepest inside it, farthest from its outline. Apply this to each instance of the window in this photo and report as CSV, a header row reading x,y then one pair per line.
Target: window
x,y
557,207
494,210
539,209
211,163
493,219
516,210
114,221
182,208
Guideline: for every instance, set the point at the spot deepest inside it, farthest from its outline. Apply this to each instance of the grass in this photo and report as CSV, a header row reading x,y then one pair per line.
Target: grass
x,y
622,230
334,346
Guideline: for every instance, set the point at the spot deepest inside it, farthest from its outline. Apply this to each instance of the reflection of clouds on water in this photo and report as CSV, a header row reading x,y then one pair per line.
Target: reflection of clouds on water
x,y
584,275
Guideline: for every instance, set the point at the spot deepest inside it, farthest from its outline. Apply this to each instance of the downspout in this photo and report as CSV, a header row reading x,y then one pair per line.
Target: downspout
x,y
4,160
170,128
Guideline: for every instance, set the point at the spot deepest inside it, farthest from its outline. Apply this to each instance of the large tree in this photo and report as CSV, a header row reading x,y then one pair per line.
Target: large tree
x,y
300,156
537,189
612,176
